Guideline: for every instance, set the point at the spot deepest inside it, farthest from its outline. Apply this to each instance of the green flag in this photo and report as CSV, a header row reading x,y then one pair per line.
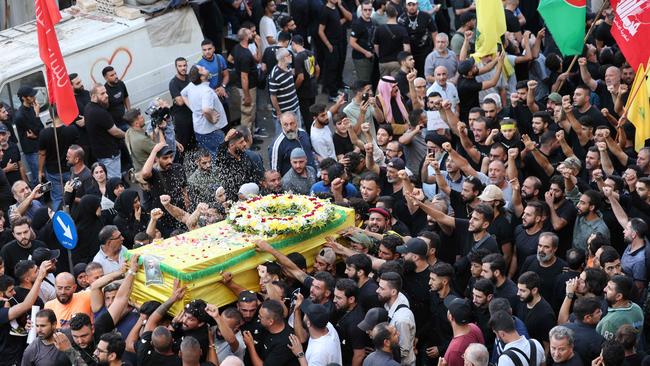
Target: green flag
x,y
565,19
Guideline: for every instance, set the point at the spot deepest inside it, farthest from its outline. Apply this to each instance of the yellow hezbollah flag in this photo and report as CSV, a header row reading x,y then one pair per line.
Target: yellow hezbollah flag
x,y
490,26
638,109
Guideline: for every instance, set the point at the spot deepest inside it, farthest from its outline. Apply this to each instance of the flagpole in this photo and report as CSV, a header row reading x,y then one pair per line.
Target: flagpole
x,y
591,28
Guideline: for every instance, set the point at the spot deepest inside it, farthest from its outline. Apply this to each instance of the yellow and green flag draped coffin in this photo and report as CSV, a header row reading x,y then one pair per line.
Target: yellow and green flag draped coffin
x,y
198,258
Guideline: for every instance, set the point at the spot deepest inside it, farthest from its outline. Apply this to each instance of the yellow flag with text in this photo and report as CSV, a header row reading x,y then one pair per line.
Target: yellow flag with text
x,y
490,26
638,108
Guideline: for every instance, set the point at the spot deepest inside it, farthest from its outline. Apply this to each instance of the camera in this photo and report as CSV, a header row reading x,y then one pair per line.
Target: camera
x,y
158,116
76,183
46,187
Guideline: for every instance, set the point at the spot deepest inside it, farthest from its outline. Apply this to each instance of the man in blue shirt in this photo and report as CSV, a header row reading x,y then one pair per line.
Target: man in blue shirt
x,y
219,76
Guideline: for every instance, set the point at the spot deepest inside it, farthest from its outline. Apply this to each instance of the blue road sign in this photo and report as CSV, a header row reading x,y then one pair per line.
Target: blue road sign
x,y
64,229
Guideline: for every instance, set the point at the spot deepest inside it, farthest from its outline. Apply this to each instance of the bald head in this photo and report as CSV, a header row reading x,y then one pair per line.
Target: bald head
x,y
65,287
612,76
64,279
161,339
440,74
231,361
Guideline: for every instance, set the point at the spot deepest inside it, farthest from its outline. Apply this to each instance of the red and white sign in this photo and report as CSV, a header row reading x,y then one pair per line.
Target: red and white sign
x,y
631,28
58,82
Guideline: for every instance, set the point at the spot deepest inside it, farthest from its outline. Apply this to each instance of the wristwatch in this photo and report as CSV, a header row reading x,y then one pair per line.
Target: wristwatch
x,y
223,86
300,355
570,295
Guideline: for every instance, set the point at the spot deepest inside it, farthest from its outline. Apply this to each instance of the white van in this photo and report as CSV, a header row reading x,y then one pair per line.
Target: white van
x,y
142,51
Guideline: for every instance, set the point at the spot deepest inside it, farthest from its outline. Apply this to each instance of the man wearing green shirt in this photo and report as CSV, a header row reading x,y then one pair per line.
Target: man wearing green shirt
x,y
621,309
136,139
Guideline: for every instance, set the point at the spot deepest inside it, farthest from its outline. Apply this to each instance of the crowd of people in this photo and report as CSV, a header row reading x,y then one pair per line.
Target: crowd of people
x,y
501,208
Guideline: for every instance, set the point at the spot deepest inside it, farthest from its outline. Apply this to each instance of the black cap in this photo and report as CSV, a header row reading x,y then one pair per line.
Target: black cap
x,y
165,151
373,317
40,255
436,138
26,91
460,310
397,163
316,313
466,66
3,128
415,246
247,296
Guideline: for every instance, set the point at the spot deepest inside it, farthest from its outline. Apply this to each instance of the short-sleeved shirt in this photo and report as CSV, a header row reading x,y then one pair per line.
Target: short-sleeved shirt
x,y
468,90
66,135
267,29
201,97
215,67
25,120
272,348
391,39
148,356
362,31
245,63
331,19
525,244
80,303
170,182
12,153
12,253
41,354
139,145
539,320
633,263
98,122
283,87
458,345
11,347
420,28
380,358
305,63
116,95
181,113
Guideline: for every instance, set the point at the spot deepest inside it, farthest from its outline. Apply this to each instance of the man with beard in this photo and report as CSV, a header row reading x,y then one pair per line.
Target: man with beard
x,y
181,113
463,199
353,340
621,309
422,31
378,223
193,323
546,263
118,96
482,295
82,98
11,161
22,247
562,213
103,134
75,158
290,138
493,268
590,219
539,161
588,313
440,282
202,183
109,350
401,317
386,342
68,302
527,234
321,135
530,189
469,88
43,352
82,338
272,347
166,179
136,139
370,188
233,166
300,177
271,182
29,126
358,267
536,311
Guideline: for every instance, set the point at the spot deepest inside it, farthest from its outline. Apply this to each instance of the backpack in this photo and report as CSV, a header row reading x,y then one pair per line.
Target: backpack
x,y
512,353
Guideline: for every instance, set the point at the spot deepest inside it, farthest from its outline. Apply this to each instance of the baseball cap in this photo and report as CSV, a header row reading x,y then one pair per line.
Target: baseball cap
x,y
317,313
373,317
459,310
3,128
555,98
249,189
572,163
26,91
380,211
397,163
465,66
247,296
164,151
491,193
40,255
415,246
327,255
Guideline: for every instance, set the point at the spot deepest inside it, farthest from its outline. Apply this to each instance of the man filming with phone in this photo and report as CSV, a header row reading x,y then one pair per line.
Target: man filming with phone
x,y
27,200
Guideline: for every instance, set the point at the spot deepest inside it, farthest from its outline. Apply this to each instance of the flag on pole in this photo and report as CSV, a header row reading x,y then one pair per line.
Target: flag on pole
x,y
566,20
638,107
490,26
58,82
631,29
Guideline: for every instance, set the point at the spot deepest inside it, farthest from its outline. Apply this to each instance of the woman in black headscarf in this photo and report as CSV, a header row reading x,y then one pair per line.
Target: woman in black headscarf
x,y
87,218
131,218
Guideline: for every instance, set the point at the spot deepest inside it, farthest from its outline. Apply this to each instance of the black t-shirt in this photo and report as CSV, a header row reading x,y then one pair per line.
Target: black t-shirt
x,y
181,113
12,253
66,135
331,19
539,320
350,336
595,115
25,120
342,145
82,98
98,122
468,93
603,33
525,244
116,95
12,153
420,28
512,23
568,212
147,355
417,290
305,63
245,63
170,182
501,229
273,349
368,295
269,59
402,83
461,4
508,290
547,275
391,39
11,347
362,31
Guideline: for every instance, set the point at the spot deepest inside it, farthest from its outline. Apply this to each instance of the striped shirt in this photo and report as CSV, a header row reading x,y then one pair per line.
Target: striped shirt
x,y
282,85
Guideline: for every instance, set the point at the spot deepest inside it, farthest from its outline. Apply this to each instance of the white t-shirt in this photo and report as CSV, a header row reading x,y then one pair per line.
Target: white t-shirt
x,y
523,345
321,141
267,29
324,350
223,348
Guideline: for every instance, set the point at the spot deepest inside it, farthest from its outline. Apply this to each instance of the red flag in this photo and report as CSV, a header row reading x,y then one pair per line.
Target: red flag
x,y
631,28
58,81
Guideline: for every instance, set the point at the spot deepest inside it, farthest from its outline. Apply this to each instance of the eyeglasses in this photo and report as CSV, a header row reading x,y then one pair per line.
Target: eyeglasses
x,y
116,238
